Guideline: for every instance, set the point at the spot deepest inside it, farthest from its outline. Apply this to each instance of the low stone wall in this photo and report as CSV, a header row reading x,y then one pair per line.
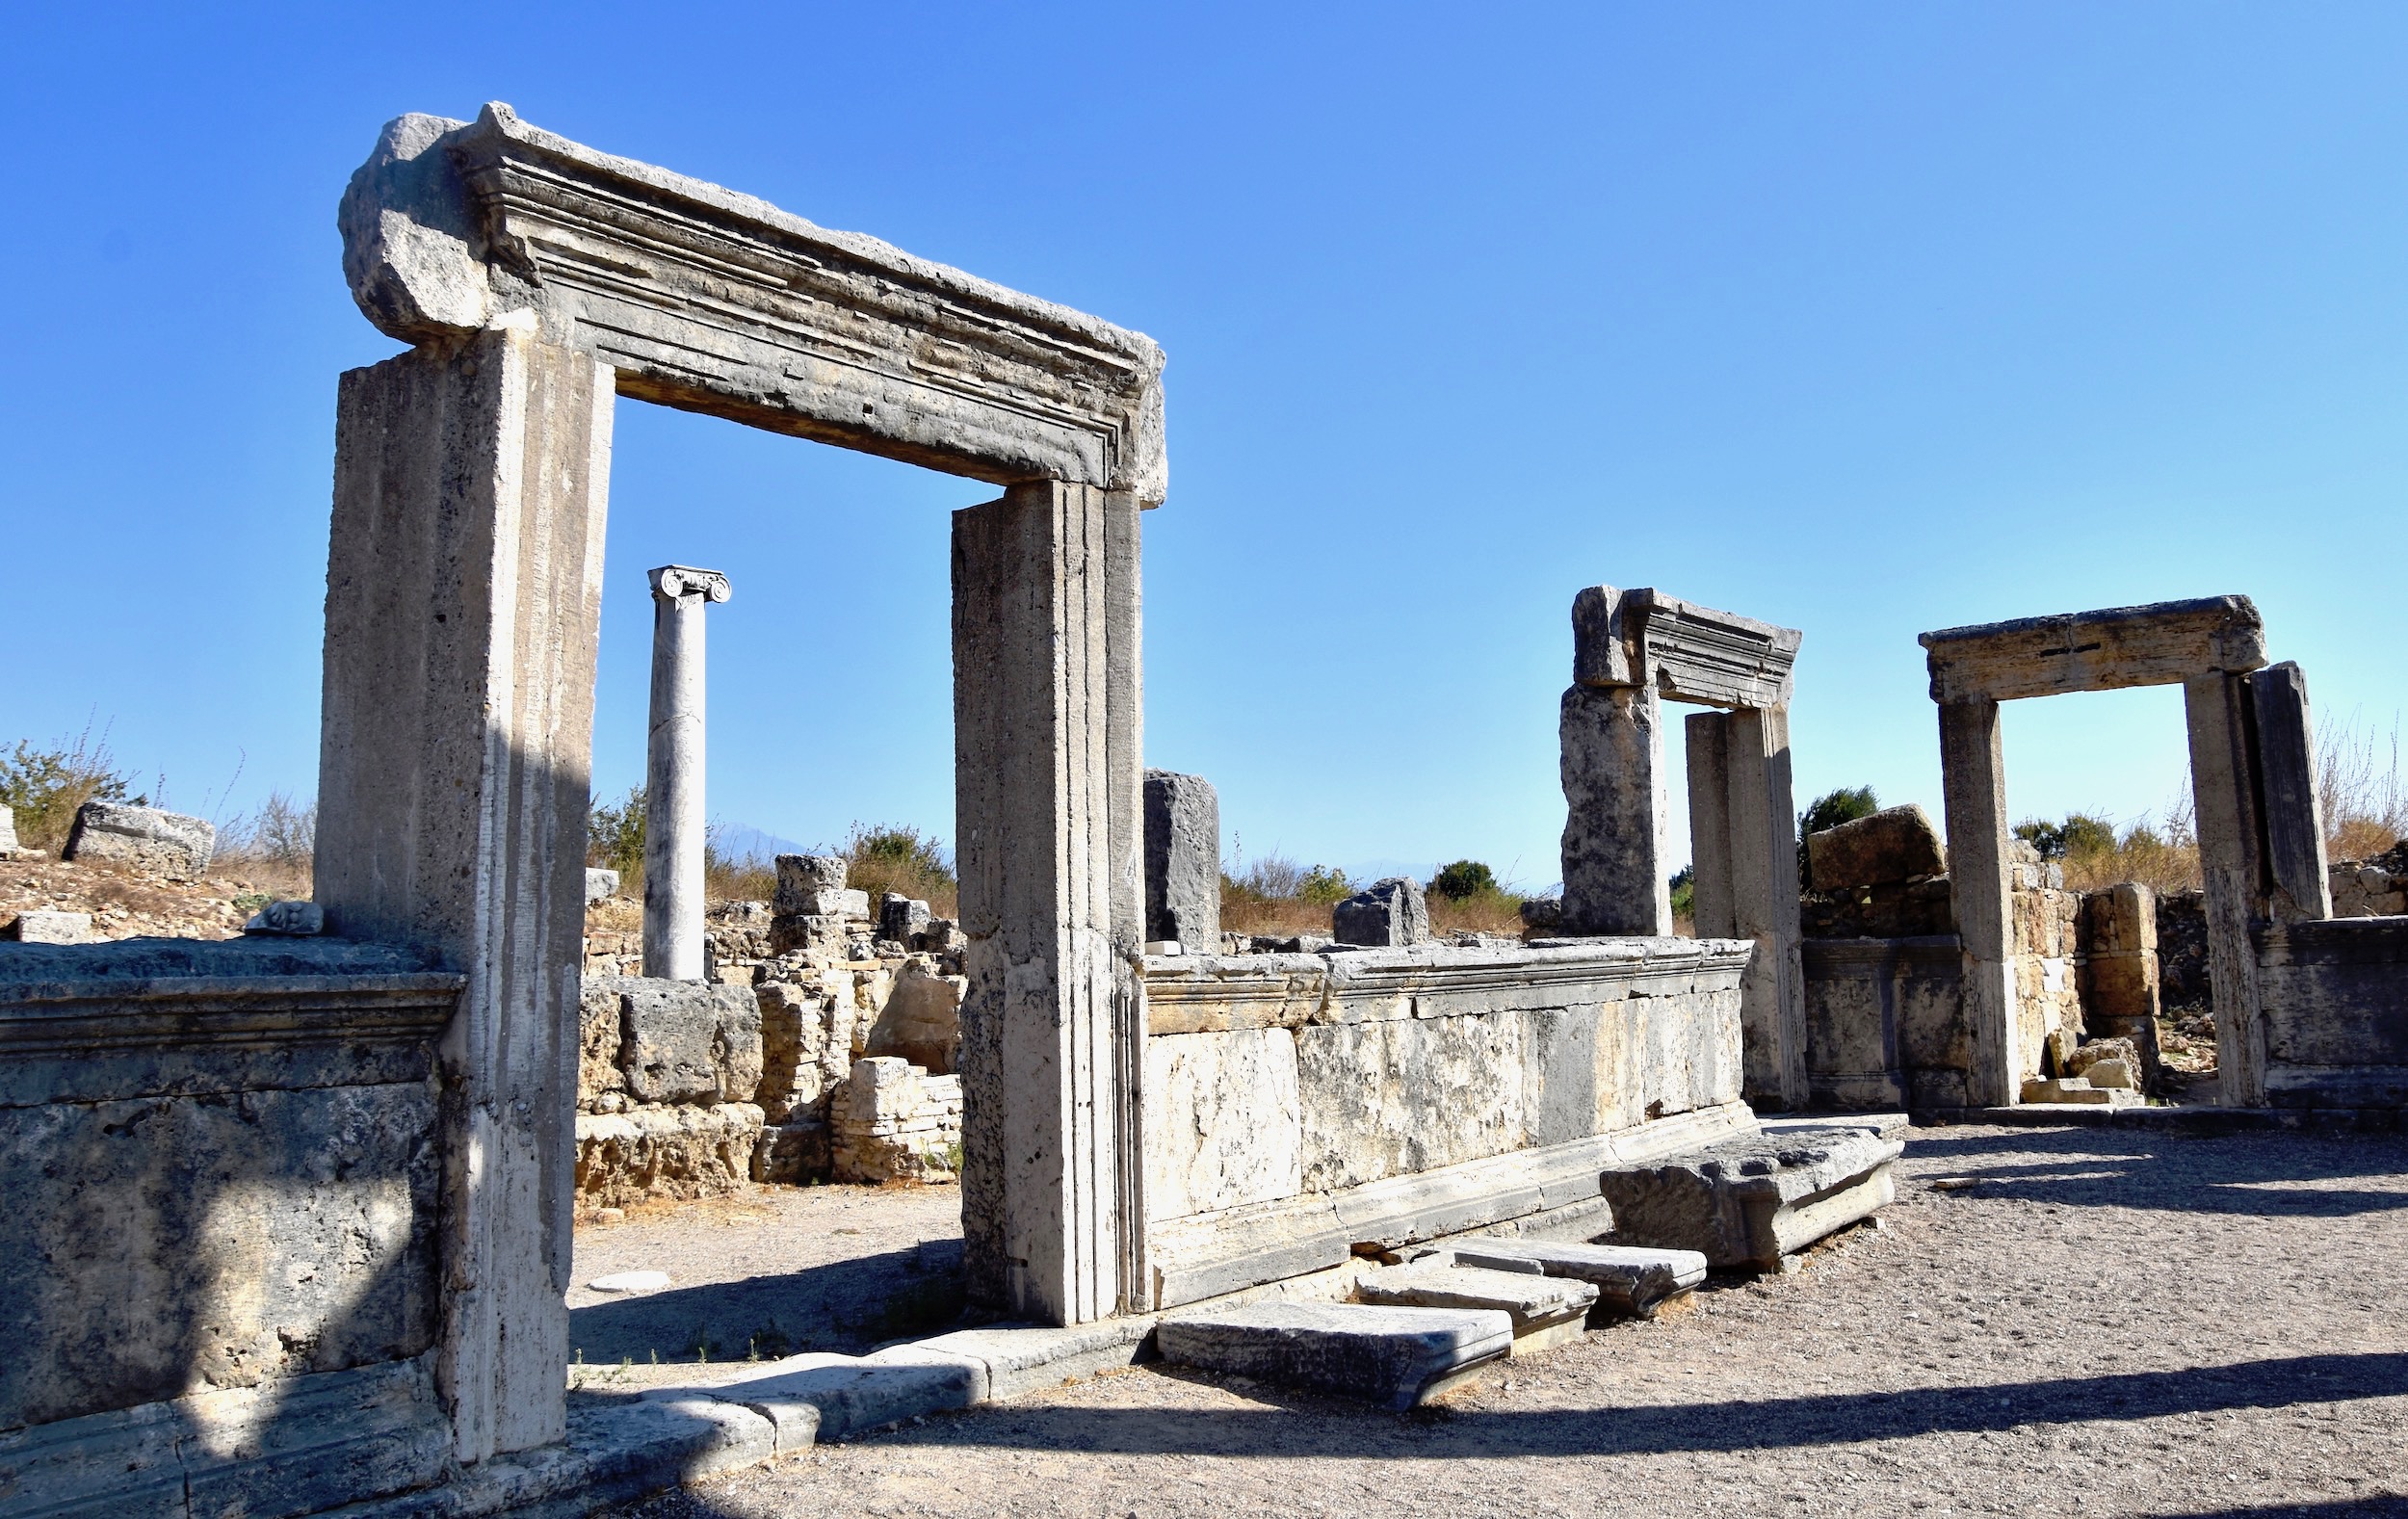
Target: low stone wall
x,y
665,1075
1299,1106
218,1266
2336,999
894,1121
2371,888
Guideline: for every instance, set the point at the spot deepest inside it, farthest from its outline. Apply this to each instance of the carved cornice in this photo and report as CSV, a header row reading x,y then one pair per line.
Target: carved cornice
x,y
710,301
1684,651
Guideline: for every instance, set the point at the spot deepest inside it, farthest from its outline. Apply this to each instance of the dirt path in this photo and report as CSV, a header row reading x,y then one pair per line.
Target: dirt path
x,y
2052,1322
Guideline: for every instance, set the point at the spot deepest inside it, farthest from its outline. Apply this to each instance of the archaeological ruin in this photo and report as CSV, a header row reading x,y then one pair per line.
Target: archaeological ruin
x,y
323,1178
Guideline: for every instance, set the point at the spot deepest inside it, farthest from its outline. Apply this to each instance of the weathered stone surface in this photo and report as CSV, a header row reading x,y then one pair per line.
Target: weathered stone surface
x,y
601,1018
688,1042
922,1020
2164,643
144,838
666,1152
1402,1095
1749,1201
220,1240
1182,860
601,886
1885,1021
1546,1310
1224,1121
851,1395
299,920
295,1445
1391,1357
51,927
801,876
1616,863
1388,914
1025,1358
902,919
2286,783
1896,844
715,302
9,846
1630,1278
894,1121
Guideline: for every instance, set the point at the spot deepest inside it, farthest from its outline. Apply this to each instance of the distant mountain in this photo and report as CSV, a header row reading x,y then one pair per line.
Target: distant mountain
x,y
744,843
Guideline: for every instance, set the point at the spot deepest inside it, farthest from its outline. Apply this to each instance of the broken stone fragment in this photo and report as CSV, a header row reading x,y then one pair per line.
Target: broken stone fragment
x,y
1182,859
1391,913
51,927
600,884
288,919
146,838
1896,844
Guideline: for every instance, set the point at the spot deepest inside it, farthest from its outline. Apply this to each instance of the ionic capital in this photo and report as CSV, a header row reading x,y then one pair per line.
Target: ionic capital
x,y
676,582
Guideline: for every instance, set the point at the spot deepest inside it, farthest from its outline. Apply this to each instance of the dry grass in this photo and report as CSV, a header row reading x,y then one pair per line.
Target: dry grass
x,y
2359,791
1274,896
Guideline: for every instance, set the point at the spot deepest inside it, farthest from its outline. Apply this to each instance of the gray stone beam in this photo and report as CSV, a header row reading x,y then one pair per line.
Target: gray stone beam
x,y
462,612
675,821
1048,786
2161,644
709,301
1972,779
2232,866
2286,775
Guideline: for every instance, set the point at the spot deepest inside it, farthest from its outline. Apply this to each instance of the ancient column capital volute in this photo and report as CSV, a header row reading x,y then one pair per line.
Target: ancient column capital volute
x,y
676,582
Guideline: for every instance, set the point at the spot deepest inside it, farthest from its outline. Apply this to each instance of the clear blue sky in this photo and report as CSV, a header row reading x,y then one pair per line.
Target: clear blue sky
x,y
1866,318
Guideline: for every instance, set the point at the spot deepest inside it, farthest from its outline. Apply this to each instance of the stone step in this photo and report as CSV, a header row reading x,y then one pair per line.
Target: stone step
x,y
1751,1201
1629,1278
1393,1357
2078,1090
1546,1311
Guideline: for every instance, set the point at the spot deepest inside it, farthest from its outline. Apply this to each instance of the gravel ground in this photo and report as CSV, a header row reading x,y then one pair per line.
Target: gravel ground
x,y
769,1271
2050,1320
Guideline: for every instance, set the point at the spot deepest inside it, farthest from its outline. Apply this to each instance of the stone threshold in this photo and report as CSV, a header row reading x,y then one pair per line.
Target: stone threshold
x,y
2173,1119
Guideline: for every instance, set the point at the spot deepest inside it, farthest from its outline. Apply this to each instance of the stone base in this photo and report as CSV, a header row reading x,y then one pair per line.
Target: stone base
x,y
1546,1311
1628,1279
1392,1357
666,1152
1748,1202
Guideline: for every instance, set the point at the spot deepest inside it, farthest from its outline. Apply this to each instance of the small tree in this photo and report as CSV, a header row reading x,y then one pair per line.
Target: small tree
x,y
46,787
1323,885
1832,808
1462,880
615,837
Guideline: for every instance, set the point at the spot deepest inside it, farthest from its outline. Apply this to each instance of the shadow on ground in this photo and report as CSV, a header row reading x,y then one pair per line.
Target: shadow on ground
x,y
844,1306
2125,1169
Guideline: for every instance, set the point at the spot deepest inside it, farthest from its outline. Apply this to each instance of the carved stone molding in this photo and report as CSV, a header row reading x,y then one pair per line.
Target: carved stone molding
x,y
676,582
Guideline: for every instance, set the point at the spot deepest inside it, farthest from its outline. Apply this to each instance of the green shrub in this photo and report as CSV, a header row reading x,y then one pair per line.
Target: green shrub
x,y
1832,808
44,787
1323,885
895,857
1461,879
614,839
1684,893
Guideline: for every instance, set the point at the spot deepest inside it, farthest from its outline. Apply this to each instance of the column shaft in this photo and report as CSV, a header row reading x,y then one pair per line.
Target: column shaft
x,y
1972,779
1763,858
677,824
2232,865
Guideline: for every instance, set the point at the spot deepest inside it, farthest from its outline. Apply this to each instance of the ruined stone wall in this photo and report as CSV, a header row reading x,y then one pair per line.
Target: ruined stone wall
x,y
1299,1106
223,1162
2336,1000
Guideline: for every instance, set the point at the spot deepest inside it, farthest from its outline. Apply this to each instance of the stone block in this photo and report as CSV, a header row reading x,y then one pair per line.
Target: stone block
x,y
1225,1123
51,927
1391,1357
1025,1358
1546,1310
1896,844
1182,859
2072,1089
850,1395
1401,1095
2111,1074
666,1152
1630,1278
600,1017
1615,855
813,933
921,1021
1749,1201
901,918
294,920
689,1041
1386,914
144,838
843,904
601,886
9,846
801,877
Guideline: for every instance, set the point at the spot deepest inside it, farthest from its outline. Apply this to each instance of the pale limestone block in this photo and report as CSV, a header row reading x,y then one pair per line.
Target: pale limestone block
x,y
1396,1098
1225,1120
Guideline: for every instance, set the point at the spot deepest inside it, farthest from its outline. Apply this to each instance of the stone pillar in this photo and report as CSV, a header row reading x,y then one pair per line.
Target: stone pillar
x,y
1972,779
2118,948
2287,777
1614,855
2232,864
463,598
1183,861
1744,856
1048,784
674,822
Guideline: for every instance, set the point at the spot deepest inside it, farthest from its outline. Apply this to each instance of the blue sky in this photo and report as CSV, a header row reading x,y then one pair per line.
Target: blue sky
x,y
1865,319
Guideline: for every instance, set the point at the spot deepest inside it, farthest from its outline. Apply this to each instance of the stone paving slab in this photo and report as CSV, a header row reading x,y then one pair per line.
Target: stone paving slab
x,y
1391,1357
1634,1279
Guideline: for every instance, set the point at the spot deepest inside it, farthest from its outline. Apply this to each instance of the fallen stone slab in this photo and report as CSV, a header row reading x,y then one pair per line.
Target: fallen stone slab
x,y
1629,1278
1021,1358
1888,1125
1546,1310
1749,1201
1894,844
1391,1357
51,927
2074,1089
630,1282
852,1395
146,838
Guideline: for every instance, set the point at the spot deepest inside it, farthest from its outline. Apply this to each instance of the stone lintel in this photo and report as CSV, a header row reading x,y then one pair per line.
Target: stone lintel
x,y
713,302
2164,643
1688,652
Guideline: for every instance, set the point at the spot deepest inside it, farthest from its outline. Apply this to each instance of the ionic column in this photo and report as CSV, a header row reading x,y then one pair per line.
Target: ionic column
x,y
674,824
